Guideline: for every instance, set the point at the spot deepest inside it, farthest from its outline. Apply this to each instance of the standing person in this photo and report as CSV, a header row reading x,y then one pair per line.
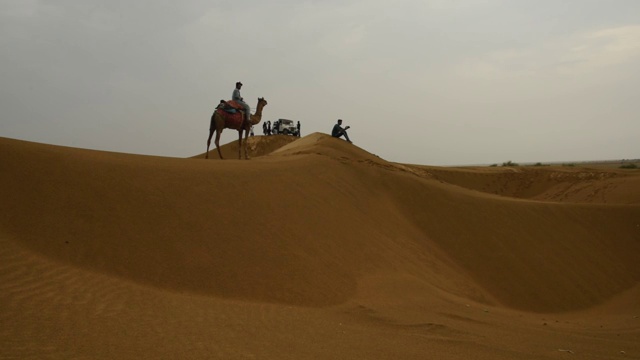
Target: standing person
x,y
238,98
339,131
269,127
298,126
264,128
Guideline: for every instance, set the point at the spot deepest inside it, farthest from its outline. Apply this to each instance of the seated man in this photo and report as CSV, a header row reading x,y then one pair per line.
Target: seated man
x,y
338,130
238,98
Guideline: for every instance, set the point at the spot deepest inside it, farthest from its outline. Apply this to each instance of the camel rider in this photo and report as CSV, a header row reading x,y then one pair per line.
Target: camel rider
x,y
339,131
238,98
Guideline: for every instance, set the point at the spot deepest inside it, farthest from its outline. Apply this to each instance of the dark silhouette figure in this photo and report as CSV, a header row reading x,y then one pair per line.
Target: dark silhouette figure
x,y
339,131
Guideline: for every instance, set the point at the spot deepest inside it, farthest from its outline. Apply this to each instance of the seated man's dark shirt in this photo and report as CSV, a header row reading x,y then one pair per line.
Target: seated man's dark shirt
x,y
337,130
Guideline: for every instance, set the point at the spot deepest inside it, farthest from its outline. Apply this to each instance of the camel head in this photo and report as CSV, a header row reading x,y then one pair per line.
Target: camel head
x,y
262,102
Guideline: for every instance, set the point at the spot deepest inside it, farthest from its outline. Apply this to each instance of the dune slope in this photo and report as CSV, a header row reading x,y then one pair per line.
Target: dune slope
x,y
313,223
303,225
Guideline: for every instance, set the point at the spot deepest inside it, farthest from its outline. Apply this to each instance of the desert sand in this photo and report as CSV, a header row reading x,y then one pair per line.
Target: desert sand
x,y
313,249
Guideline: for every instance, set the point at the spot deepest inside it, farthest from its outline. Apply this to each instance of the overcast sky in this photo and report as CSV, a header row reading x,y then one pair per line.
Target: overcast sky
x,y
434,82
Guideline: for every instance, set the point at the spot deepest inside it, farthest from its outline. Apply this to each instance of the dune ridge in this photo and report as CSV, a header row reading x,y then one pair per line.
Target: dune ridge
x,y
317,223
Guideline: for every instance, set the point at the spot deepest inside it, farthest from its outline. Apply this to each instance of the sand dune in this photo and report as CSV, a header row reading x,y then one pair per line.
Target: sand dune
x,y
315,248
556,184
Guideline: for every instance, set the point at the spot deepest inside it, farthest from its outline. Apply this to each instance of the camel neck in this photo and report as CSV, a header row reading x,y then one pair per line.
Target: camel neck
x,y
259,110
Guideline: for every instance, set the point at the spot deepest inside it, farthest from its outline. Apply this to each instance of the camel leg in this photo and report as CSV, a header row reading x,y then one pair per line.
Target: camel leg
x,y
212,128
240,144
246,149
217,142
206,155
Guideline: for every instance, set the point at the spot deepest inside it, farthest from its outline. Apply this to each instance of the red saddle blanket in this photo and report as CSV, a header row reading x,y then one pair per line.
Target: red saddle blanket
x,y
231,120
235,105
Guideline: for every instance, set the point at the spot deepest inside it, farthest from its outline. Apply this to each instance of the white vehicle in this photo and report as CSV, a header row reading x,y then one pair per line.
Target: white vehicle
x,y
285,127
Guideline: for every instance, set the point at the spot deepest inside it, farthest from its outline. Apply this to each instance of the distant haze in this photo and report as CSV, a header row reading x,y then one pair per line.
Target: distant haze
x,y
426,82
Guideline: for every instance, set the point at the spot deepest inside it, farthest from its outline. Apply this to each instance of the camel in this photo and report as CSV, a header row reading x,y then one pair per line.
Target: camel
x,y
218,122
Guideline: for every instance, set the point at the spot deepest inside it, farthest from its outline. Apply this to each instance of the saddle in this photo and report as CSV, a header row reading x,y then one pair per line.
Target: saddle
x,y
230,106
232,112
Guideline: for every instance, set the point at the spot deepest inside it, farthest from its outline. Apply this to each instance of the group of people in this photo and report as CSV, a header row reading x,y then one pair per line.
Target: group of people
x,y
338,131
267,129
